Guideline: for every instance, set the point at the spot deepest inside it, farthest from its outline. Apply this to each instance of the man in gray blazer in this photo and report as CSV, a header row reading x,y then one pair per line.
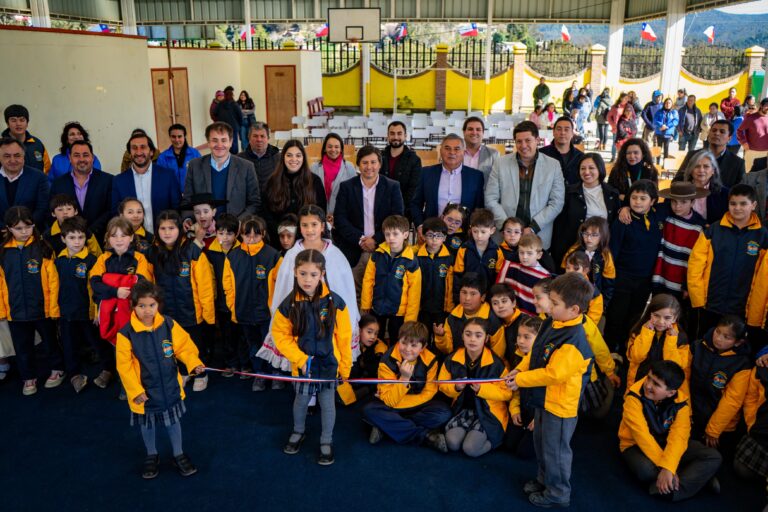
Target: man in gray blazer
x,y
476,154
226,176
526,184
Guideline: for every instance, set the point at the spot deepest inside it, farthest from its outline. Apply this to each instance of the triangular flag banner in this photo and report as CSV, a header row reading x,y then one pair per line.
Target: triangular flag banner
x,y
467,30
710,33
647,33
322,31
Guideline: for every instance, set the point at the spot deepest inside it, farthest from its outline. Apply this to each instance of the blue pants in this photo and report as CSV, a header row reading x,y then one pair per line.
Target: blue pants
x,y
73,332
688,140
23,336
254,337
552,442
410,425
234,148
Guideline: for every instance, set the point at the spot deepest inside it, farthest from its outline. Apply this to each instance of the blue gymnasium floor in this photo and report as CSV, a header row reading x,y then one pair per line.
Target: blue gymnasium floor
x,y
62,451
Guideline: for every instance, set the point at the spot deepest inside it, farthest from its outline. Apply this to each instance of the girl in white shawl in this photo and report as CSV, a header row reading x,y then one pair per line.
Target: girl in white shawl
x,y
338,274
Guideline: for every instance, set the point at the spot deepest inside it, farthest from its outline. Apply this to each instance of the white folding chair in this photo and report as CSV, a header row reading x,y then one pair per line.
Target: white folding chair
x,y
282,136
298,121
337,122
300,133
318,133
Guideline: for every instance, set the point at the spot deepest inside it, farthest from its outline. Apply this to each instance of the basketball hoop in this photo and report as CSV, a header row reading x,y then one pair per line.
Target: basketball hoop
x,y
353,40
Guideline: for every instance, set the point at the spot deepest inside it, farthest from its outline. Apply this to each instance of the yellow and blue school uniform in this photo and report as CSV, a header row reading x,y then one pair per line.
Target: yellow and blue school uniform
x,y
245,278
468,259
454,329
143,240
436,280
53,236
129,263
392,284
649,346
366,366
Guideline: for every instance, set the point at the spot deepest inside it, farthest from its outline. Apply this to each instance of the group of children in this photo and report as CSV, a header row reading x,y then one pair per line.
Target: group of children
x,y
457,307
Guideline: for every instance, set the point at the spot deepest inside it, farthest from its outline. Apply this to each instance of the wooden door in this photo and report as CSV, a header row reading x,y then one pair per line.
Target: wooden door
x,y
161,96
181,112
281,96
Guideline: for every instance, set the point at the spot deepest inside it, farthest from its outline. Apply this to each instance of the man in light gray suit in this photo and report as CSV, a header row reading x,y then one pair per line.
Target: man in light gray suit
x,y
224,175
476,154
526,184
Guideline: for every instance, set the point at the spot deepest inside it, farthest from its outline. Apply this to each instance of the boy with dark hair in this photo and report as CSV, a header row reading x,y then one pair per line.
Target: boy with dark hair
x,y
526,272
409,413
552,377
76,306
504,305
480,253
64,206
234,351
392,282
634,248
654,436
722,265
436,265
579,262
472,304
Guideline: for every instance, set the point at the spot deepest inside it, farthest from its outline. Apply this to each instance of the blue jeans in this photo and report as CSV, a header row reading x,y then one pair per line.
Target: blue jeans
x,y
234,148
689,140
408,425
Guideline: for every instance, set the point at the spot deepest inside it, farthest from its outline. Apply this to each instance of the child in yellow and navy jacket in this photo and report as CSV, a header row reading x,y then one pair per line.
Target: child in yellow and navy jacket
x,y
479,253
392,282
578,262
720,368
480,410
183,272
455,217
504,305
519,438
147,350
64,206
76,306
311,328
29,290
132,210
233,347
248,271
436,263
751,458
552,379
448,336
408,413
657,336
655,435
366,366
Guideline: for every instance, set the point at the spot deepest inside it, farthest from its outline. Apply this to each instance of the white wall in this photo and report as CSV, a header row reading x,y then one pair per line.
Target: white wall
x,y
102,81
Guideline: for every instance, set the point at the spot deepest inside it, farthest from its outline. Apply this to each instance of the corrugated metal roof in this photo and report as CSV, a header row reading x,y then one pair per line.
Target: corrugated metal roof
x,y
106,10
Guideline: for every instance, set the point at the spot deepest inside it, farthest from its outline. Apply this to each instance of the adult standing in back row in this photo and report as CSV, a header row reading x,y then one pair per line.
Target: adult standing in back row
x,y
229,112
400,163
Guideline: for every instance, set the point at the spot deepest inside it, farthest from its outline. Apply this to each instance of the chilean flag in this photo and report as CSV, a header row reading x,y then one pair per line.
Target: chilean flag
x,y
402,31
710,33
647,33
467,30
322,31
101,27
565,34
244,32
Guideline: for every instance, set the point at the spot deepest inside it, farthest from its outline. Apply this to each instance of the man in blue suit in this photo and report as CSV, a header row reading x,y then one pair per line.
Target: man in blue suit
x,y
91,187
448,182
357,224
21,185
156,187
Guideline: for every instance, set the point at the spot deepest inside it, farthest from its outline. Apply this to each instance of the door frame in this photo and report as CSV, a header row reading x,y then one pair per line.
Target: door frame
x,y
173,101
266,89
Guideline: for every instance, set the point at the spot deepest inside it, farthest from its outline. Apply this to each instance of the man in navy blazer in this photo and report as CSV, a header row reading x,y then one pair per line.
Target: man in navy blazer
x,y
91,187
349,214
21,185
156,187
449,182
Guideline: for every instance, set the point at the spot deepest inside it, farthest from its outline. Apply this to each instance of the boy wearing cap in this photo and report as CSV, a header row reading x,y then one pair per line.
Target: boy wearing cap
x,y
204,228
35,154
681,230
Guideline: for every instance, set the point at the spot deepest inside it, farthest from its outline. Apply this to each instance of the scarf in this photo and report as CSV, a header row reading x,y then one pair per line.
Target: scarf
x,y
331,169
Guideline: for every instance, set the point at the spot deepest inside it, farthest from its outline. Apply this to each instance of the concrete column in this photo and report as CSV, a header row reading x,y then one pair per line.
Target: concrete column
x,y
755,56
365,78
247,16
441,62
41,15
519,51
615,46
128,15
673,48
597,51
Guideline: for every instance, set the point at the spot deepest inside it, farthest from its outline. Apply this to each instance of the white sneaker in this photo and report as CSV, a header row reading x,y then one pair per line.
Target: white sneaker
x,y
200,384
30,387
56,378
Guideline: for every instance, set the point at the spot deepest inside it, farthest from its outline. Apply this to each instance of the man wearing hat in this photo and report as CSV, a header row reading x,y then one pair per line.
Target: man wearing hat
x,y
35,154
681,230
203,228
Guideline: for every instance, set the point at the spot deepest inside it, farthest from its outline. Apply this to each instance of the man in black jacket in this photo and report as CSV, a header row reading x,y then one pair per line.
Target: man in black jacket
x,y
261,153
401,163
228,111
689,126
732,167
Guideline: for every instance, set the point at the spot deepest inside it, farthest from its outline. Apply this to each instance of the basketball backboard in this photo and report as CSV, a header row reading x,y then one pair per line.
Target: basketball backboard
x,y
345,25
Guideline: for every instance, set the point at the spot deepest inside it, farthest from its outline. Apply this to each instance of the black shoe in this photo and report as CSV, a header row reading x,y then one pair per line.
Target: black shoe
x,y
184,465
151,467
532,486
294,444
325,457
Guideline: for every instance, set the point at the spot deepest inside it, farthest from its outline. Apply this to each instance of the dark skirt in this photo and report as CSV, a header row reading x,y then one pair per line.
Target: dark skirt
x,y
167,418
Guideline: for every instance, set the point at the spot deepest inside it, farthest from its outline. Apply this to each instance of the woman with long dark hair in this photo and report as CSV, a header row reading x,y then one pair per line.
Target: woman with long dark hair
x,y
634,162
333,169
291,186
249,116
72,132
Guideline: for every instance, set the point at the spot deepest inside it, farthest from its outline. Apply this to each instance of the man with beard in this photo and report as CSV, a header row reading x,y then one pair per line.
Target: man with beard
x,y
91,187
154,186
476,154
400,163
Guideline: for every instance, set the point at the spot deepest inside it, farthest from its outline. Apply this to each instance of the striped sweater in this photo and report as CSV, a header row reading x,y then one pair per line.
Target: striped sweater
x,y
677,240
522,279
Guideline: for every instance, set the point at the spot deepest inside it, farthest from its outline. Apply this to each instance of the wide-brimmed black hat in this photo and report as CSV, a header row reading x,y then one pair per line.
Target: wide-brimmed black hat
x,y
683,190
198,199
